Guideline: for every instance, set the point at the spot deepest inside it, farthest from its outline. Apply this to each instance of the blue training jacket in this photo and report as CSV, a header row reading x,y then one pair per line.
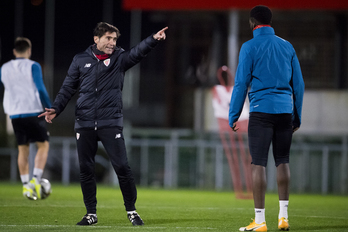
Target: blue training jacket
x,y
269,66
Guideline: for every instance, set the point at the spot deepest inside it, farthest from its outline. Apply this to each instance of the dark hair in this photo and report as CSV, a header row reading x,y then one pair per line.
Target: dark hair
x,y
103,27
261,14
22,44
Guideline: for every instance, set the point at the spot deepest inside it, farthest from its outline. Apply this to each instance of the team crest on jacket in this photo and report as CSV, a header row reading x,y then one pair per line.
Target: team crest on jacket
x,y
107,62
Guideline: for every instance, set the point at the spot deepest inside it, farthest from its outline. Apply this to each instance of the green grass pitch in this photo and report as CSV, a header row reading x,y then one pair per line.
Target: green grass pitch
x,y
164,210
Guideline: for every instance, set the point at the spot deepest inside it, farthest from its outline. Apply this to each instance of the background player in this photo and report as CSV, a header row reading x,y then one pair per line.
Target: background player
x,y
24,97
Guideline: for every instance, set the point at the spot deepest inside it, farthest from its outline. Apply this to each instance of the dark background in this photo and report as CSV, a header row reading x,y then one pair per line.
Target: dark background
x,y
185,63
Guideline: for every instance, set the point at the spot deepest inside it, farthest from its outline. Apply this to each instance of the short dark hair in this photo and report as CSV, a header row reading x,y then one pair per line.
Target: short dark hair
x,y
261,14
104,27
22,44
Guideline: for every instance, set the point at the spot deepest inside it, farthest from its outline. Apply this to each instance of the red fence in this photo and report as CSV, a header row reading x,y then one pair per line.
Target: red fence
x,y
233,4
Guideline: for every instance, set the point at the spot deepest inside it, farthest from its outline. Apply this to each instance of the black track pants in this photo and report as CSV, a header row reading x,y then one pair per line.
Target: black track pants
x,y
113,142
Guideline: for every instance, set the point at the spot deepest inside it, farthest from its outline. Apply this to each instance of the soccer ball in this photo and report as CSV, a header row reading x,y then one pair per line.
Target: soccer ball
x,y
45,188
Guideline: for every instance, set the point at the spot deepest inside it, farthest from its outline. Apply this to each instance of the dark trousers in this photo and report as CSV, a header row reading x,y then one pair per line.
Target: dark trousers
x,y
113,142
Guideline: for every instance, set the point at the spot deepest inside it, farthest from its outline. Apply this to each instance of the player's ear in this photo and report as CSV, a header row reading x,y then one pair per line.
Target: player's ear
x,y
96,39
29,52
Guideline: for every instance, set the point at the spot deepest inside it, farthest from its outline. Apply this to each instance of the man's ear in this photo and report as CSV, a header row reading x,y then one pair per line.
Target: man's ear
x,y
96,39
252,23
29,53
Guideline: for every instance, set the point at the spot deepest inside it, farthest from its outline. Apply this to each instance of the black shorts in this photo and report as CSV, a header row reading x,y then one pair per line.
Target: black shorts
x,y
266,128
30,129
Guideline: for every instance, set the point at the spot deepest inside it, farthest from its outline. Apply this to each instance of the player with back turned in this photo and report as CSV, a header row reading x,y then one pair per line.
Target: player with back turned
x,y
269,66
24,98
97,74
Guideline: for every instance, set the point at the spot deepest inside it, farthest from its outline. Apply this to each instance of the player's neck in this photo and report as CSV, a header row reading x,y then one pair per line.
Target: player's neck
x,y
22,57
259,26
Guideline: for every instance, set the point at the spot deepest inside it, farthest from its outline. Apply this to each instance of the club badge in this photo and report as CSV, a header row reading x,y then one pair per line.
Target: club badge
x,y
107,62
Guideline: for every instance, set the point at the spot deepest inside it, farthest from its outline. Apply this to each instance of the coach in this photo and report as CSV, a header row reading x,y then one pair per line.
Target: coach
x,y
98,73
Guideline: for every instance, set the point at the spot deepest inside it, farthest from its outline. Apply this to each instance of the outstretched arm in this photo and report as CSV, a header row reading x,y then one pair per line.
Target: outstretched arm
x,y
134,55
161,35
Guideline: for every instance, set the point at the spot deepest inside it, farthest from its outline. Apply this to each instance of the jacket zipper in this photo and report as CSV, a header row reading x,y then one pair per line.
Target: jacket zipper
x,y
96,97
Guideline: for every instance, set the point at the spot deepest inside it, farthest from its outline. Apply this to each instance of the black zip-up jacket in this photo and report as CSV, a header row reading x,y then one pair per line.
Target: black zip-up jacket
x,y
100,84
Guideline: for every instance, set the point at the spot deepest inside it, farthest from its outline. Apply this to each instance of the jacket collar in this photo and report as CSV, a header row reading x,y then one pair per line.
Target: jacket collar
x,y
89,50
263,31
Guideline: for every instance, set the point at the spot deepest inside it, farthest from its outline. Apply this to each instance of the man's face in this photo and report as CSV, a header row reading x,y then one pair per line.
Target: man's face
x,y
106,43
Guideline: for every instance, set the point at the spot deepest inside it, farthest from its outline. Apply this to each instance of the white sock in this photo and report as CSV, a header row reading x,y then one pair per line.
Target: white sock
x,y
260,216
37,173
25,179
283,209
128,212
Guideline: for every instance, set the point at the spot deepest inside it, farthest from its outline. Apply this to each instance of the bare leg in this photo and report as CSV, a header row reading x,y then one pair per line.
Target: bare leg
x,y
23,159
259,185
41,155
283,180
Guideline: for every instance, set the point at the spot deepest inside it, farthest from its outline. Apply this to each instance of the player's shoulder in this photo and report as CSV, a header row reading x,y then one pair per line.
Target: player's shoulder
x,y
28,62
248,44
247,47
276,37
6,63
285,44
35,63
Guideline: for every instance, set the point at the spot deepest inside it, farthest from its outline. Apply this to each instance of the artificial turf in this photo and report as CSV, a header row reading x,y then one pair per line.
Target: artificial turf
x,y
164,210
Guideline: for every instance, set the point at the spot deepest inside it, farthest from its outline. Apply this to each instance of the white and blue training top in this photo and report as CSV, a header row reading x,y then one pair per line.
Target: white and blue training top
x,y
25,93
